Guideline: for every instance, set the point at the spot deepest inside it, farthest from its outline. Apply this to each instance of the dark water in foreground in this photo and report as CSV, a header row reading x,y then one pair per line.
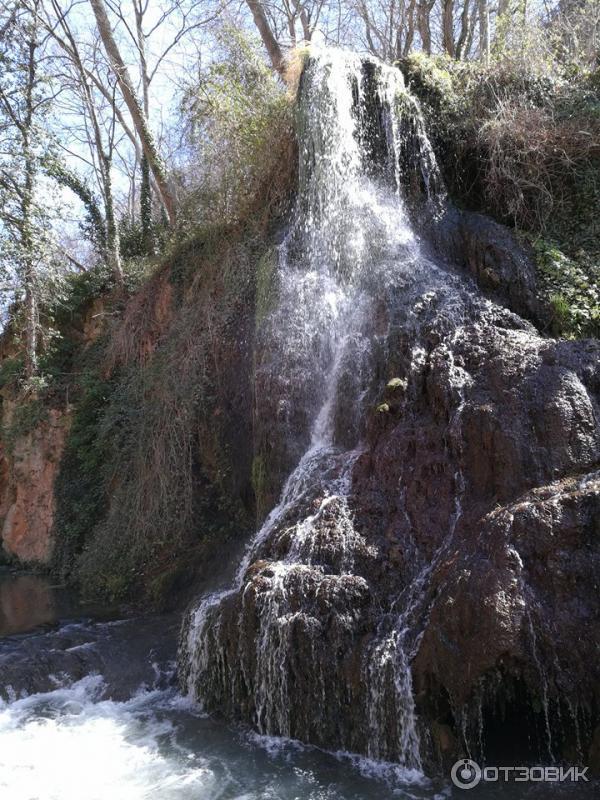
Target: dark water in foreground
x,y
29,601
89,711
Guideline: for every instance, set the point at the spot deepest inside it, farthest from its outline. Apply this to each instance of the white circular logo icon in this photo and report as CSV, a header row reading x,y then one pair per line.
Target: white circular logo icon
x,y
465,773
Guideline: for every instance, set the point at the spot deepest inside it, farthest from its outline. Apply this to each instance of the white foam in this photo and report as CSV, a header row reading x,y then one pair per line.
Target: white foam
x,y
68,744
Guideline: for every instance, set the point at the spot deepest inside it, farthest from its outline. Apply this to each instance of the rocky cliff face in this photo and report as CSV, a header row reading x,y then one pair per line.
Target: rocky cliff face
x,y
32,443
27,475
481,486
426,585
424,464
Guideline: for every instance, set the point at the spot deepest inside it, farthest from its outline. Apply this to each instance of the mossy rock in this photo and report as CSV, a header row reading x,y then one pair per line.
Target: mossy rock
x,y
266,285
396,386
162,588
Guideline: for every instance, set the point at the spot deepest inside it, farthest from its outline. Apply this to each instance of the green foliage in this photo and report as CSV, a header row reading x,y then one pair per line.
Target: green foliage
x,y
73,294
11,372
27,208
572,289
162,587
146,222
518,140
27,415
132,243
62,315
433,78
139,239
203,246
149,467
236,115
93,227
515,137
81,488
56,363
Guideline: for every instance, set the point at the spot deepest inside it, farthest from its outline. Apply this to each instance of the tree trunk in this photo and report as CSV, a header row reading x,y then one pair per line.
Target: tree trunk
x,y
266,34
29,276
410,30
304,21
464,30
145,185
484,31
113,243
137,115
425,24
146,207
448,27
29,270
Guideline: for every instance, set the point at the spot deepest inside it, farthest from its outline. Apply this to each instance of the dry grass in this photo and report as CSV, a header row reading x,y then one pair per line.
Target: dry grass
x,y
169,463
151,423
276,185
145,320
533,156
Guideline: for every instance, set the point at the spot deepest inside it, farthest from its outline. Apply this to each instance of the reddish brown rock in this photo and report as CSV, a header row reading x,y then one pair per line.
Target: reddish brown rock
x,y
27,490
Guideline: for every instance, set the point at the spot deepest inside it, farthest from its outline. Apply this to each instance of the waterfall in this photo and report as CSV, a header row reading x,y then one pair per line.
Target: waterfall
x,y
284,647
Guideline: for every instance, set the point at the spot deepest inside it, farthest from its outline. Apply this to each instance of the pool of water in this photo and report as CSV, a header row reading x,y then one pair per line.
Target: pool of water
x,y
29,601
90,710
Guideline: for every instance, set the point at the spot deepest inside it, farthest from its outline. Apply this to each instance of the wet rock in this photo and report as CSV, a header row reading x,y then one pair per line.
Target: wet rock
x,y
427,585
593,758
502,497
444,745
501,266
127,653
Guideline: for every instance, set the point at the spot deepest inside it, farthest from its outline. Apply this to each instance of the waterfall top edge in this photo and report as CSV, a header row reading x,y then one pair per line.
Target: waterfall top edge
x,y
332,55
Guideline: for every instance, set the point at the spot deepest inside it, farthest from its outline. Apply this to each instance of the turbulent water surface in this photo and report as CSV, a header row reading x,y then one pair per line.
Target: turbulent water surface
x,y
102,738
131,735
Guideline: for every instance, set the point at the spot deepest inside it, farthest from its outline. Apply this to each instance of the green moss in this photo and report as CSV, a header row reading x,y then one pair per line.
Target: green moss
x,y
432,78
161,589
114,587
396,385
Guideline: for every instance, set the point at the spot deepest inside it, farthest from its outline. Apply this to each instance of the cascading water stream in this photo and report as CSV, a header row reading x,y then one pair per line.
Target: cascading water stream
x,y
401,549
350,241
